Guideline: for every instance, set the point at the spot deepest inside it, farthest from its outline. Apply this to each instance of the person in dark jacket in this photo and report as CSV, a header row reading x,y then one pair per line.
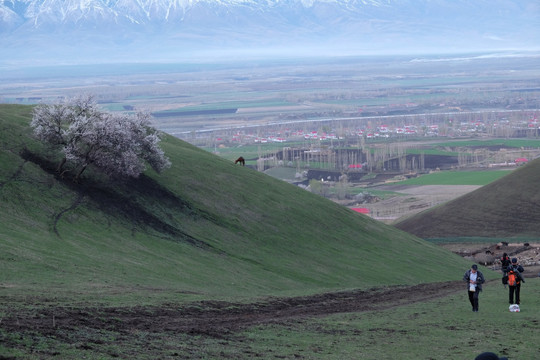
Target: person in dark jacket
x,y
474,280
505,262
517,269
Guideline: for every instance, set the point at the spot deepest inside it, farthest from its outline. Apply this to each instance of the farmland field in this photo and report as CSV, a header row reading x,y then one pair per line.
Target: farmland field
x,y
457,178
300,93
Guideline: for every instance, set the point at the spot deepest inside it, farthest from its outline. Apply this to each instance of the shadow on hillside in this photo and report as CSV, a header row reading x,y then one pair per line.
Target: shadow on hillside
x,y
141,203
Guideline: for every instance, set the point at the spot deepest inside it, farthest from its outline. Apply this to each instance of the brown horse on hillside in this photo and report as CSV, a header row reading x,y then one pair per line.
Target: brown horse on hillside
x,y
240,161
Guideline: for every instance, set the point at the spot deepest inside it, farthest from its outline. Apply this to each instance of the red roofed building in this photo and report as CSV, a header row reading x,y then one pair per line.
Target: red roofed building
x,y
361,210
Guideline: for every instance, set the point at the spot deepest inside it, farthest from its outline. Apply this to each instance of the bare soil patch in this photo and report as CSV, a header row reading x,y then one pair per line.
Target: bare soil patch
x,y
415,198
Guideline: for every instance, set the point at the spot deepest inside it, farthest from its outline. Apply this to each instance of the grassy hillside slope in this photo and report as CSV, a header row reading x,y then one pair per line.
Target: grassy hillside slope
x,y
205,228
505,208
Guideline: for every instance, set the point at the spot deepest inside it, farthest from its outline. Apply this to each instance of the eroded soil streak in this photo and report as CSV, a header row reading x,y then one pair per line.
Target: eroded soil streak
x,y
215,318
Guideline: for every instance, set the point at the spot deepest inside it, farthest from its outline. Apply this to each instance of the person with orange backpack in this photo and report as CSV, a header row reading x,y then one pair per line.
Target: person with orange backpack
x,y
514,281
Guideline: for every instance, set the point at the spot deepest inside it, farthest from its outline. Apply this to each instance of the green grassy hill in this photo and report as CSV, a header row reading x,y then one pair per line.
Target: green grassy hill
x,y
505,208
205,228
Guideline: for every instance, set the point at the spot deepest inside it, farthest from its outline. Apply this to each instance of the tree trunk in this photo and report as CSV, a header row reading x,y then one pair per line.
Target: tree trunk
x,y
78,176
61,165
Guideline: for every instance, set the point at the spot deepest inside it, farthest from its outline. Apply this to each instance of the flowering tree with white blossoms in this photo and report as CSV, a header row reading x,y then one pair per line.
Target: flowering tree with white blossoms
x,y
117,144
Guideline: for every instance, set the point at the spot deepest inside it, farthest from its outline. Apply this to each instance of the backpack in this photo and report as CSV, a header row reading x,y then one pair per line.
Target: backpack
x,y
512,278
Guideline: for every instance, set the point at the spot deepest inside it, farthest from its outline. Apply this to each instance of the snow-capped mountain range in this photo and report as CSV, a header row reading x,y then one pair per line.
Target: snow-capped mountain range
x,y
140,29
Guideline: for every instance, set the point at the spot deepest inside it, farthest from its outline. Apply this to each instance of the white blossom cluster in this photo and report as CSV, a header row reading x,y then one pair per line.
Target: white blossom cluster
x,y
119,145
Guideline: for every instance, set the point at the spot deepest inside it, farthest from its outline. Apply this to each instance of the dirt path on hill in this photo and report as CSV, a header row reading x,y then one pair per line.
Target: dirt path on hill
x,y
215,318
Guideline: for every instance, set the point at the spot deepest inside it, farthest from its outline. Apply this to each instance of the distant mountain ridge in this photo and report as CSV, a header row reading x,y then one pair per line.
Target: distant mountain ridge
x,y
42,13
361,25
